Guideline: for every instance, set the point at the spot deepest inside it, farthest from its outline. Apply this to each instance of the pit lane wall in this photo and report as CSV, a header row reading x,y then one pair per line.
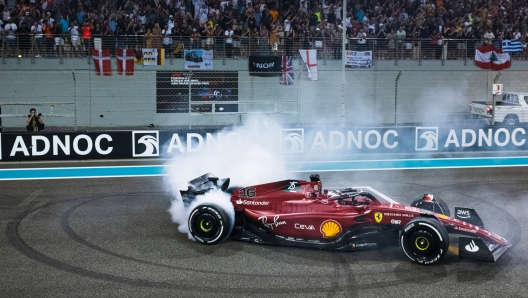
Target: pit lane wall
x,y
369,96
295,143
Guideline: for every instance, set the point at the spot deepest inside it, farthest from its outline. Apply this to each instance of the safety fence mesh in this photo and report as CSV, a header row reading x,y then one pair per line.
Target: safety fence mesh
x,y
82,100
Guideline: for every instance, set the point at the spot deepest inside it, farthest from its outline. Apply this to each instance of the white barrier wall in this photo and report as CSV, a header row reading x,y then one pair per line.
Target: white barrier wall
x,y
71,94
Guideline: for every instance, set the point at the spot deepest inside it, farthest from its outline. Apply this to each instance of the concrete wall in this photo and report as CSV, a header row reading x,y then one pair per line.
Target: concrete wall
x,y
425,92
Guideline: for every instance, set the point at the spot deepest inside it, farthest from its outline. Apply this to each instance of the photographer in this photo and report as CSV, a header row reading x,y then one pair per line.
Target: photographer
x,y
34,121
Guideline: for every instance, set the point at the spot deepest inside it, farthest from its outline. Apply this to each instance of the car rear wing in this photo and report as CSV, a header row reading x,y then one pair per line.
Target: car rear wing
x,y
203,184
477,248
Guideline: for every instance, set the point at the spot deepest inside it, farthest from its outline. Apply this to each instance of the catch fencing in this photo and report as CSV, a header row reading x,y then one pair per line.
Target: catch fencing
x,y
177,99
18,46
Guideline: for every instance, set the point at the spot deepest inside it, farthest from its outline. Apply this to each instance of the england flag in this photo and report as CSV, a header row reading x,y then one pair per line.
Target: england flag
x,y
286,77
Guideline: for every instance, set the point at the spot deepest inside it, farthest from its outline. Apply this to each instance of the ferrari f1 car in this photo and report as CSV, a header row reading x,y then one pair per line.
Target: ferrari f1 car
x,y
301,213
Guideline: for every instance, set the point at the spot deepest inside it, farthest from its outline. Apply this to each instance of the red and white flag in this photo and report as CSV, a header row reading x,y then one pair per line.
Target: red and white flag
x,y
310,58
489,57
125,64
102,62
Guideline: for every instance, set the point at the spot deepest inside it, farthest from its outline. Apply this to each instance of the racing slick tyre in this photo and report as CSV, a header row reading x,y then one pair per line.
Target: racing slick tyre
x,y
511,120
431,203
424,240
209,224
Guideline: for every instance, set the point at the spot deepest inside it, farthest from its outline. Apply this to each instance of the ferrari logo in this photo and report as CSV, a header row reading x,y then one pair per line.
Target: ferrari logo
x,y
378,216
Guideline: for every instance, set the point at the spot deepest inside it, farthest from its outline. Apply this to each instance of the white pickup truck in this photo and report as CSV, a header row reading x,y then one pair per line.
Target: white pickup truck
x,y
511,109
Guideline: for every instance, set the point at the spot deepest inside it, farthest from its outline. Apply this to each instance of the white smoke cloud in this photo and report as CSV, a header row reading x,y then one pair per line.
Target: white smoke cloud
x,y
249,157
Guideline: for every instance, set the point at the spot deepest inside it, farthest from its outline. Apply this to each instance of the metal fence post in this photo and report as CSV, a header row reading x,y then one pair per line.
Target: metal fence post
x,y
18,55
88,52
396,97
32,51
420,48
465,53
190,112
397,53
3,52
493,108
61,58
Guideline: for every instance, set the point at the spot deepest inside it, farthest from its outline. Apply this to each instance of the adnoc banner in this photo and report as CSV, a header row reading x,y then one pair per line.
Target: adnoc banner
x,y
293,142
64,146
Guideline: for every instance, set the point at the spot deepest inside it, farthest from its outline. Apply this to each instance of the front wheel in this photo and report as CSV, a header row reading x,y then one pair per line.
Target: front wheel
x,y
209,224
424,240
511,120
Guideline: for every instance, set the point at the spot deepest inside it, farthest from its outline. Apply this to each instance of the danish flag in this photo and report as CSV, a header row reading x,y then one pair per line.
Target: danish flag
x,y
125,65
102,62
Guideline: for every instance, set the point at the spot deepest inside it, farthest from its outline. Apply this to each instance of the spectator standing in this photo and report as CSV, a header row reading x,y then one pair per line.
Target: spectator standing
x,y
36,30
49,41
75,39
156,36
263,41
24,40
229,41
166,39
10,30
488,36
237,41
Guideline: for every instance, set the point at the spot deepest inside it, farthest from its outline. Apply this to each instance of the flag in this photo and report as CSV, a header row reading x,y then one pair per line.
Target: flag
x,y
489,57
161,56
125,65
512,46
287,75
310,58
138,59
102,62
264,66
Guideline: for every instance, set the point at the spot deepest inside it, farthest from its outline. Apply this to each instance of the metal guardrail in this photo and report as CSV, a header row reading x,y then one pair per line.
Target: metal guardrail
x,y
60,47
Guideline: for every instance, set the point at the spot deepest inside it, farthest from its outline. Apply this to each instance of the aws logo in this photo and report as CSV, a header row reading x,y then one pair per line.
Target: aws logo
x,y
292,140
145,143
426,139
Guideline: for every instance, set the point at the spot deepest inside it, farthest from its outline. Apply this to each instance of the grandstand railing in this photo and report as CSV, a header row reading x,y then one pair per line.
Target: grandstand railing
x,y
60,47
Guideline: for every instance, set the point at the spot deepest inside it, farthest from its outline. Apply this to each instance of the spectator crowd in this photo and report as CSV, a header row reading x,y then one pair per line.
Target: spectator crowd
x,y
238,28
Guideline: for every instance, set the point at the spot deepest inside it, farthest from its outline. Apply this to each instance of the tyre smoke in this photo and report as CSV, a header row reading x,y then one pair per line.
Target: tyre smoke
x,y
249,156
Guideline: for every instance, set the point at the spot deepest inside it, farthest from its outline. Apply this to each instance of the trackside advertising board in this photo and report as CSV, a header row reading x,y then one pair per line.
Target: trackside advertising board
x,y
298,142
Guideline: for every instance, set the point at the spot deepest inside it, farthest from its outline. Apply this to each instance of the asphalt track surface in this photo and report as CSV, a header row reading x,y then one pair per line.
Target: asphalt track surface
x,y
113,237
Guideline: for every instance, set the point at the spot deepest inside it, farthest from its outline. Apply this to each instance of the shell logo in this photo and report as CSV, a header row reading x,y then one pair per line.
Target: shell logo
x,y
330,228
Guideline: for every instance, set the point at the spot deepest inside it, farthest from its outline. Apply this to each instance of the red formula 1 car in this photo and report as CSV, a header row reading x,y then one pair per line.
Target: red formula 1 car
x,y
301,213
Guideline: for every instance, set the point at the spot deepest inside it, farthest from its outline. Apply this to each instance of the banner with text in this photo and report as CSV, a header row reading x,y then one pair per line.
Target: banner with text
x,y
296,143
207,91
355,59
264,66
199,59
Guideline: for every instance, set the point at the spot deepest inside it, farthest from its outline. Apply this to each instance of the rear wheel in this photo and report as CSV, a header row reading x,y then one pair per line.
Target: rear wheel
x,y
424,240
511,120
209,224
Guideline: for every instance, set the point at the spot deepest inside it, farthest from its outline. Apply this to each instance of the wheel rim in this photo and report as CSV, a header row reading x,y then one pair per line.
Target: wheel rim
x,y
422,243
511,121
206,225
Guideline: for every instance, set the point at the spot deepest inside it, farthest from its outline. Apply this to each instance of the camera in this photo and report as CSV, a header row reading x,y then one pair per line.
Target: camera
x,y
39,114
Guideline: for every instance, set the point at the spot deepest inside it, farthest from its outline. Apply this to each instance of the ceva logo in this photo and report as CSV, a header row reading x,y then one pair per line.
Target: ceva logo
x,y
426,139
145,143
292,140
